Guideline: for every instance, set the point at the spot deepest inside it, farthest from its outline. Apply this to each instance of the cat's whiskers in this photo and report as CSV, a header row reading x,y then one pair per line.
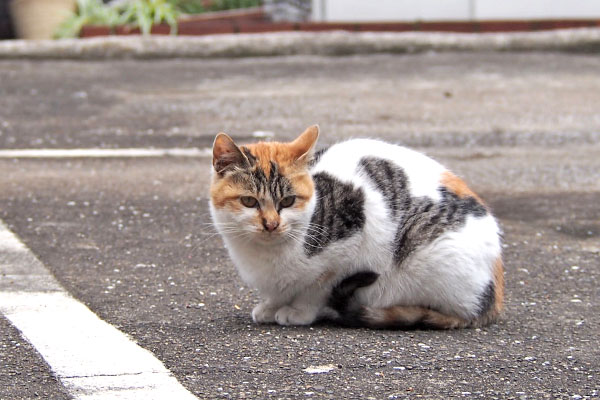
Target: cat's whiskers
x,y
295,238
317,228
228,227
218,227
315,232
207,237
232,230
299,236
316,238
244,236
225,224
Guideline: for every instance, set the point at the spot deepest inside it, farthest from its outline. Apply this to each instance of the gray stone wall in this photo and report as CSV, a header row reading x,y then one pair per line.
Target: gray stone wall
x,y
288,10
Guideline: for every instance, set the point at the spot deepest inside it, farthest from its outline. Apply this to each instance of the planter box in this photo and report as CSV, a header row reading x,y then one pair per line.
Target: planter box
x,y
257,21
200,24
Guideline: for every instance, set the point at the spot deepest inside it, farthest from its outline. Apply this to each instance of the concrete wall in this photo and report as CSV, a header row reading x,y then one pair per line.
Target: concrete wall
x,y
452,10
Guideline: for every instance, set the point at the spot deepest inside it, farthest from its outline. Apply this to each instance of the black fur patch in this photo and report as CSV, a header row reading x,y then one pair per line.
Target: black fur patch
x,y
339,213
341,298
420,219
425,221
487,298
390,180
317,156
248,155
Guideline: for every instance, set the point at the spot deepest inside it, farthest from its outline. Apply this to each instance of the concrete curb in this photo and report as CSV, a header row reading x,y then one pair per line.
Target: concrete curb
x,y
299,43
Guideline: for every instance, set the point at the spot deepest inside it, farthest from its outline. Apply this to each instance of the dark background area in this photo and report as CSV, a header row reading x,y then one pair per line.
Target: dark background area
x,y
6,28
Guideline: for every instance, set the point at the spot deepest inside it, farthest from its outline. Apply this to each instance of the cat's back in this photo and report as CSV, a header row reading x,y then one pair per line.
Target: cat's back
x,y
443,242
353,160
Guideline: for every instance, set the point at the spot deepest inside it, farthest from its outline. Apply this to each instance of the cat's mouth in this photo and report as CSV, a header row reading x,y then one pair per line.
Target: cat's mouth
x,y
271,237
271,234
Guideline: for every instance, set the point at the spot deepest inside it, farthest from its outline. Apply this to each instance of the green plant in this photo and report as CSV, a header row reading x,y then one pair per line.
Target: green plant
x,y
190,6
201,6
89,12
145,13
141,13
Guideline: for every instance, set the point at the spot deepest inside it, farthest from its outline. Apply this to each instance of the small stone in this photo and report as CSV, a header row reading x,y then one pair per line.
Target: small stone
x,y
591,249
319,369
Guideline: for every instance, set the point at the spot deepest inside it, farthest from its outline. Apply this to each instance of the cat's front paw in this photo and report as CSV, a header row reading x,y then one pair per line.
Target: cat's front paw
x,y
287,315
263,314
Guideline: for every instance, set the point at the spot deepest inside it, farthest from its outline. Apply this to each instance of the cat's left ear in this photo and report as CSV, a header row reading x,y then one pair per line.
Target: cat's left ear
x,y
303,145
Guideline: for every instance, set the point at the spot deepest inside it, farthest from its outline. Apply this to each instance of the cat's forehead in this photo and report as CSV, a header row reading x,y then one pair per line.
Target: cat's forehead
x,y
264,155
274,185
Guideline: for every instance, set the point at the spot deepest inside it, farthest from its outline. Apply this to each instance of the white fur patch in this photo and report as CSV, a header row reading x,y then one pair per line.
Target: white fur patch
x,y
449,274
342,159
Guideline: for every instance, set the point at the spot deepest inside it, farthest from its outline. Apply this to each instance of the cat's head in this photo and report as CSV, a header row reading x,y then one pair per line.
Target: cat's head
x,y
262,192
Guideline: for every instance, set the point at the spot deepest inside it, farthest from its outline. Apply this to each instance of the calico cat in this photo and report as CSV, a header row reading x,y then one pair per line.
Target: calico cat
x,y
365,233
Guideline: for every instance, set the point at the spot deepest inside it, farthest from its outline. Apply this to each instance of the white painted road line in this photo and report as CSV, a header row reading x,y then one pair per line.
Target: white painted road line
x,y
91,358
104,153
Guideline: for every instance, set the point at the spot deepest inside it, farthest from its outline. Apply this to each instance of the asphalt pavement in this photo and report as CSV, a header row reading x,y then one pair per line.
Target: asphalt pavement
x,y
129,236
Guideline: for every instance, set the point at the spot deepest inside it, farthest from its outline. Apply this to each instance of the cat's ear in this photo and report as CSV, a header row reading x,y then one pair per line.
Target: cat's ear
x,y
303,145
226,154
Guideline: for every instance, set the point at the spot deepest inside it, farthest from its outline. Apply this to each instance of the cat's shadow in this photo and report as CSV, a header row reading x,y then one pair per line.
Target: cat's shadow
x,y
246,324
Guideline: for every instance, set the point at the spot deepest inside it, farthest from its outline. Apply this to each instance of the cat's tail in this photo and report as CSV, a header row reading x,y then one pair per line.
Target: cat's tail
x,y
341,298
352,314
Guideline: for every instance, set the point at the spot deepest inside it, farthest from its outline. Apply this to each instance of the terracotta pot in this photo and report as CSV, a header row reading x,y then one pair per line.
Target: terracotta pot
x,y
39,19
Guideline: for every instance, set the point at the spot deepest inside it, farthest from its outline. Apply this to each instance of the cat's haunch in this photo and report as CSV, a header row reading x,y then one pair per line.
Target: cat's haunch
x,y
365,233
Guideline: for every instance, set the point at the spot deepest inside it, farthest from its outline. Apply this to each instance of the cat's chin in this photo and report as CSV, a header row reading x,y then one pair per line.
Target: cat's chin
x,y
271,238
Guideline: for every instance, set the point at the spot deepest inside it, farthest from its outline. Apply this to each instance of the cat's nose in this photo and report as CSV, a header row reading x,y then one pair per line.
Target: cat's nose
x,y
270,225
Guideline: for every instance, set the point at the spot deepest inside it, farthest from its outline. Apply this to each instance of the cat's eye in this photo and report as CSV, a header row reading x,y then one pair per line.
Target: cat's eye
x,y
249,201
287,201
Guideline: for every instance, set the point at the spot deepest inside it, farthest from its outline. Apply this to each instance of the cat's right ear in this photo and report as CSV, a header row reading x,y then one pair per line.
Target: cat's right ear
x,y
226,154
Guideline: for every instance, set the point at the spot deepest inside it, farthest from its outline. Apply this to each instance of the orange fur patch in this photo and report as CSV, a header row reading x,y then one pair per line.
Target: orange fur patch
x,y
411,315
280,153
457,186
223,192
269,214
303,186
408,315
499,285
443,321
